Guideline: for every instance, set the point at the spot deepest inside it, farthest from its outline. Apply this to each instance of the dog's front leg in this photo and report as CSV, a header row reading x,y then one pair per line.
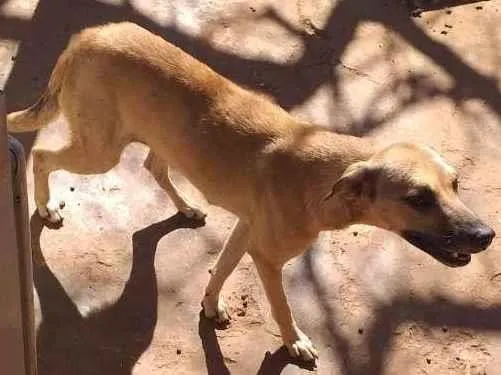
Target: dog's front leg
x,y
298,344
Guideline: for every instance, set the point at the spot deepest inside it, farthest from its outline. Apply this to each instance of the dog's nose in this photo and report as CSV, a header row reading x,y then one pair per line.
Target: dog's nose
x,y
483,236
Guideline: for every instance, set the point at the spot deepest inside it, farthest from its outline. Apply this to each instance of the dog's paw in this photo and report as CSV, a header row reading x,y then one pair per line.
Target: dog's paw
x,y
216,309
193,213
51,212
302,348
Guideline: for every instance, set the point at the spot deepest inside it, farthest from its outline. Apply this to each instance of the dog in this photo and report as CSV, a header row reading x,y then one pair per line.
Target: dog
x,y
285,180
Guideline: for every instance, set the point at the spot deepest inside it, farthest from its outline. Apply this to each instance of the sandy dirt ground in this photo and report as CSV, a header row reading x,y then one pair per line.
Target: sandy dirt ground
x,y
118,287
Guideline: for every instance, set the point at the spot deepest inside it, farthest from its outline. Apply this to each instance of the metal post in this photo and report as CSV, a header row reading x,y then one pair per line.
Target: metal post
x,y
17,334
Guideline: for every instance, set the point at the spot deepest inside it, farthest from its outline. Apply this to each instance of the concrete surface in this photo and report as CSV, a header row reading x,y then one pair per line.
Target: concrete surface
x,y
119,286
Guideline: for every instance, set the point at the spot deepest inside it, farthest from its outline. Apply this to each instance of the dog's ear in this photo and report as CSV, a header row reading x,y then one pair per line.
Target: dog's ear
x,y
358,180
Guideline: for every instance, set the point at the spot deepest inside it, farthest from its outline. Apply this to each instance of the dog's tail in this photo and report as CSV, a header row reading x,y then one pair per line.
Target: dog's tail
x,y
46,108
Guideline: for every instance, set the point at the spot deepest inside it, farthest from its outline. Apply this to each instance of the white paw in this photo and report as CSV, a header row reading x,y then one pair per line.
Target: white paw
x,y
216,309
51,212
302,347
193,213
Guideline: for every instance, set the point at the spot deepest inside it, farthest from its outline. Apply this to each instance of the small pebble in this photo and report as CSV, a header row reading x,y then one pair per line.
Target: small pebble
x,y
72,188
13,58
443,32
448,26
444,329
241,312
252,9
479,7
360,331
244,297
448,11
178,351
355,234
428,360
62,204
244,304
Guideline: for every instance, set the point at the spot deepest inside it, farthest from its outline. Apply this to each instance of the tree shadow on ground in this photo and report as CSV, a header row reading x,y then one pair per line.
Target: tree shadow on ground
x,y
109,340
434,312
43,38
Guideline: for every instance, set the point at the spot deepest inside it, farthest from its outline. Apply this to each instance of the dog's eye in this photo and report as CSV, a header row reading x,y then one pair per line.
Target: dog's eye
x,y
421,200
455,184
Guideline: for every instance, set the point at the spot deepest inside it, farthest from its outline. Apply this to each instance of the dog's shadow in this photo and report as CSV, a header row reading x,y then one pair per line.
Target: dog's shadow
x,y
111,339
214,359
272,364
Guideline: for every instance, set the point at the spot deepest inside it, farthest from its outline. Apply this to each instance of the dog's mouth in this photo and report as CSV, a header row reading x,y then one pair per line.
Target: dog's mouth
x,y
449,257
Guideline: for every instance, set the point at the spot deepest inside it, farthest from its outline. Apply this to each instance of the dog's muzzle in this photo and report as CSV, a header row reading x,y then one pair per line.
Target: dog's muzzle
x,y
453,250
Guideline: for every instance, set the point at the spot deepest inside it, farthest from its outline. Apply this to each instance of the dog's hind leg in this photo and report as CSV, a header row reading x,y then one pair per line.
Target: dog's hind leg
x,y
233,250
72,158
160,171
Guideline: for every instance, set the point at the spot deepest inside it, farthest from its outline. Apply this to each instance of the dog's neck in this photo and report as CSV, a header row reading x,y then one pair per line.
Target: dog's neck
x,y
333,153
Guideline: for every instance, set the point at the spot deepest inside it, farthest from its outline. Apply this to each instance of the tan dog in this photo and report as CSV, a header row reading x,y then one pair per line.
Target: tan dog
x,y
286,181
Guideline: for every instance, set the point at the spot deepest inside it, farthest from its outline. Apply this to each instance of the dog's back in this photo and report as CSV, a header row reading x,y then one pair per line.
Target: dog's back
x,y
119,83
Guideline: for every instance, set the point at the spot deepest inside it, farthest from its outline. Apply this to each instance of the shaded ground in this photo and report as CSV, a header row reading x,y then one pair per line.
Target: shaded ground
x,y
119,286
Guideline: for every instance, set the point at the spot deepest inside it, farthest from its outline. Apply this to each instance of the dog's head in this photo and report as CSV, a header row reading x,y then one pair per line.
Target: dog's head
x,y
413,191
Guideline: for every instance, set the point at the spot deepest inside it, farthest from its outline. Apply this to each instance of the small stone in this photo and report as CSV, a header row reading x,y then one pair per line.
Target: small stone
x,y
443,32
241,312
479,7
428,360
448,26
360,331
244,297
252,9
444,329
448,11
72,188
62,204
355,234
13,58
178,351
244,304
